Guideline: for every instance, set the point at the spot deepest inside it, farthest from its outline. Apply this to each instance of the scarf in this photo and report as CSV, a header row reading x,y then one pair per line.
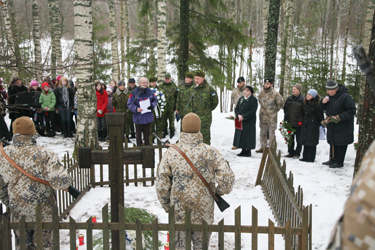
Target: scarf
x,y
65,96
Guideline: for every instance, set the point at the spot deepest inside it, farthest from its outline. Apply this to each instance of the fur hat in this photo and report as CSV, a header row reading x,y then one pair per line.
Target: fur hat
x,y
299,87
23,126
331,84
34,83
191,123
312,92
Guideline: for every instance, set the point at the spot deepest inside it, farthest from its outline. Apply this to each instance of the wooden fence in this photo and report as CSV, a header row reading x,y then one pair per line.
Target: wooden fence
x,y
286,204
288,231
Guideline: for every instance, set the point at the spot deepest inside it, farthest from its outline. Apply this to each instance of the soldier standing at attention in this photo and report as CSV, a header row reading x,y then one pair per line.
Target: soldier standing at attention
x,y
204,101
183,105
22,194
169,89
157,124
177,184
119,102
238,93
129,127
270,103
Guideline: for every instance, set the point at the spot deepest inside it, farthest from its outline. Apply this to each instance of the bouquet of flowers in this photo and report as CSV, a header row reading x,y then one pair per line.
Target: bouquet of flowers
x,y
161,102
287,132
231,117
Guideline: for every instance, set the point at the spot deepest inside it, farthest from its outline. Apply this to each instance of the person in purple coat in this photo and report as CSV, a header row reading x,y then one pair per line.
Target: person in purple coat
x,y
142,117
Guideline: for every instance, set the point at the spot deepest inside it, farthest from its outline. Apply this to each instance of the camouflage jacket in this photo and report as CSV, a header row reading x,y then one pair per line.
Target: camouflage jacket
x,y
183,105
237,94
22,194
204,101
177,184
170,92
355,230
120,100
270,103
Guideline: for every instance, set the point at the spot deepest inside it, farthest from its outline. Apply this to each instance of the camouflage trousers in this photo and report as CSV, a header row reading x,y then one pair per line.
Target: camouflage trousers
x,y
267,127
31,239
206,132
196,238
129,126
168,115
157,127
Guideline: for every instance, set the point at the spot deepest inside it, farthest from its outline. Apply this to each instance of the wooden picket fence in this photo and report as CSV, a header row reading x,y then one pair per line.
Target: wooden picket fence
x,y
288,231
286,204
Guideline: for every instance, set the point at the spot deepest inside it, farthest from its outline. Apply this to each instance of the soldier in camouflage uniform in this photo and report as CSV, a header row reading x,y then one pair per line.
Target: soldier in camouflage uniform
x,y
169,89
356,228
204,101
157,124
20,193
270,103
184,96
178,185
119,102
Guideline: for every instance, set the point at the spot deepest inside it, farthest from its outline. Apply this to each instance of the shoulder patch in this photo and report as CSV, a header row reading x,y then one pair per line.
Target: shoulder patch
x,y
213,93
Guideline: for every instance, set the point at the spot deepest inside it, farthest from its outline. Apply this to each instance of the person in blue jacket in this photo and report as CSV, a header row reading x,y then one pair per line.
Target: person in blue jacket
x,y
142,118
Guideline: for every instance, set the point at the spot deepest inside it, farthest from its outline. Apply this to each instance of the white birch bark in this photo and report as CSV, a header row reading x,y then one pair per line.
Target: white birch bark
x,y
122,42
57,35
86,135
338,37
266,8
36,37
9,36
127,36
114,45
289,38
151,59
52,35
161,40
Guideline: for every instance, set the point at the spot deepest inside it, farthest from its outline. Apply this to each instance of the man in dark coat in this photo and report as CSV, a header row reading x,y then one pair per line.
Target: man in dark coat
x,y
15,88
246,109
340,110
293,114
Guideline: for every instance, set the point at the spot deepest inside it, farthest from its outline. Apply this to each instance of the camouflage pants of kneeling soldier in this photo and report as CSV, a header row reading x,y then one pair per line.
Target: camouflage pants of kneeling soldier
x,y
31,239
168,115
129,126
206,132
157,127
196,238
269,127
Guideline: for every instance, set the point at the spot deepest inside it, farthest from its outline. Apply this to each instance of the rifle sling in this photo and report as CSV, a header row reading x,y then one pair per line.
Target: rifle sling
x,y
21,169
195,169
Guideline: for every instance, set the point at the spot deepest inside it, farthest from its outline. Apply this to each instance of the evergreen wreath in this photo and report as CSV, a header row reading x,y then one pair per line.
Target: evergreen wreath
x,y
287,132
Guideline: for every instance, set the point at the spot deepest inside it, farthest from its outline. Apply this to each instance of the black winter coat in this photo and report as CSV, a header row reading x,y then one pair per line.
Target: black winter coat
x,y
293,110
59,98
342,104
245,138
13,90
312,117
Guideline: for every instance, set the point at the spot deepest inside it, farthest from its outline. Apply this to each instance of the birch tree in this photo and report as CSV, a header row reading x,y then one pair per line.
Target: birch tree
x,y
86,134
122,42
56,30
114,45
127,36
10,37
266,10
36,37
346,44
338,37
151,38
161,40
52,35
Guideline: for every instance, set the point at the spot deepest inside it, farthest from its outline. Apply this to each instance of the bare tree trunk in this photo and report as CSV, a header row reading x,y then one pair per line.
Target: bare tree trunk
x,y
333,17
127,36
338,37
266,8
122,53
161,40
114,45
10,38
251,57
151,58
52,34
86,135
36,37
346,45
288,54
57,35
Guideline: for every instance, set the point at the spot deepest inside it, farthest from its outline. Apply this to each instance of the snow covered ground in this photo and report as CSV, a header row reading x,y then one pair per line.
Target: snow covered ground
x,y
326,189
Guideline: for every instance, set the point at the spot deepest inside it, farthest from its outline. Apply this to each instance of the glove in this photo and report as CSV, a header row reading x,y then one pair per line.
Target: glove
x,y
150,107
57,111
326,121
100,111
335,119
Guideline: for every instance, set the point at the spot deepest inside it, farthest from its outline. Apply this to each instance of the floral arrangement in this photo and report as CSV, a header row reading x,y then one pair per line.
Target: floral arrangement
x,y
356,146
161,102
131,242
287,132
231,117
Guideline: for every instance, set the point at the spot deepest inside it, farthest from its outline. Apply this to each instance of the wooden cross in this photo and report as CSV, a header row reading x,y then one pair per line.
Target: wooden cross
x,y
116,157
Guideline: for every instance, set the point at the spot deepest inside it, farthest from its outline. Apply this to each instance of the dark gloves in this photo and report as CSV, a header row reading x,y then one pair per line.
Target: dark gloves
x,y
150,108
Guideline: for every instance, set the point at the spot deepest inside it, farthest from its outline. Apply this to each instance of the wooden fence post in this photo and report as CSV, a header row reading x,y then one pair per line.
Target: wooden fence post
x,y
271,235
237,228
188,228
171,228
254,229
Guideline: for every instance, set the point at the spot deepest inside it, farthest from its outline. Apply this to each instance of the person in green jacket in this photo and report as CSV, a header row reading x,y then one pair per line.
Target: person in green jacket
x,y
119,102
48,100
204,101
184,96
169,89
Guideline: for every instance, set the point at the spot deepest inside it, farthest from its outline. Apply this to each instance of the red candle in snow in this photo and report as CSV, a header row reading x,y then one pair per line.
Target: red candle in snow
x,y
166,246
80,237
94,219
168,238
76,247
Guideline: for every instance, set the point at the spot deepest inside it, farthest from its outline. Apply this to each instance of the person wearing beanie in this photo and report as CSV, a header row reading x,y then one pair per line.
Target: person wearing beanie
x,y
293,114
245,113
184,92
119,101
340,111
36,114
21,194
312,116
204,100
170,91
157,124
48,100
178,185
15,88
270,103
110,107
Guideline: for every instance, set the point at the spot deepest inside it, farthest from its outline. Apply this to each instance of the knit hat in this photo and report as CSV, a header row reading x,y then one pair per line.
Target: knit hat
x,y
189,74
23,126
109,89
131,80
199,73
331,84
58,78
45,84
121,82
240,79
312,92
251,89
191,123
270,80
298,86
152,79
34,83
167,75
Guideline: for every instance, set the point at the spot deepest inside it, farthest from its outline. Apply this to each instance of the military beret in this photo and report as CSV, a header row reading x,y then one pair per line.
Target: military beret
x,y
189,74
270,80
152,79
23,126
167,75
191,123
240,79
199,73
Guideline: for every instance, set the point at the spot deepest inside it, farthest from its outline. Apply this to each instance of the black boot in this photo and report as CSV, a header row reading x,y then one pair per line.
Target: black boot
x,y
171,133
68,130
132,136
247,153
165,133
63,130
242,153
100,135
